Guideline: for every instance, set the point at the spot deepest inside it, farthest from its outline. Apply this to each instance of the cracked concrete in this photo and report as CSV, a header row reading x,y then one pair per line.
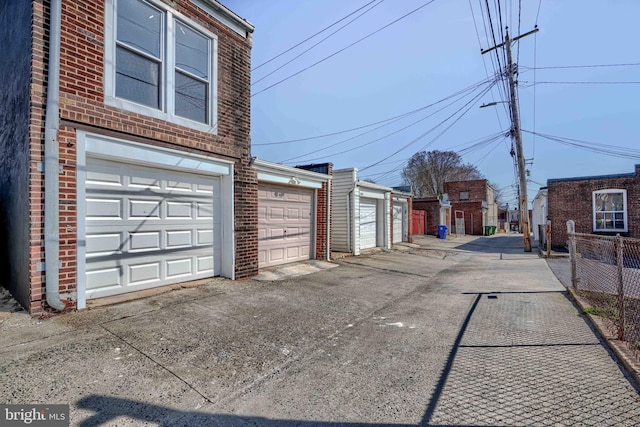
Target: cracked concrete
x,y
442,334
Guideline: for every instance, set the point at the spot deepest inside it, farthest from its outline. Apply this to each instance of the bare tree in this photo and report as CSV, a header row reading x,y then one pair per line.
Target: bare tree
x,y
498,195
428,171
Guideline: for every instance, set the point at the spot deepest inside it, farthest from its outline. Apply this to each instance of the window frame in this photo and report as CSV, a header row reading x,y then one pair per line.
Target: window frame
x,y
464,193
168,69
594,195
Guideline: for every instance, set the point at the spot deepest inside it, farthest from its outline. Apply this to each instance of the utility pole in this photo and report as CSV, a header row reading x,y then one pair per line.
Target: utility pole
x,y
517,136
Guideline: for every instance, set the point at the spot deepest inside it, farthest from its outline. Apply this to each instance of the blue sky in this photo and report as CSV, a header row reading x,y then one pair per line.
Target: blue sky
x,y
427,57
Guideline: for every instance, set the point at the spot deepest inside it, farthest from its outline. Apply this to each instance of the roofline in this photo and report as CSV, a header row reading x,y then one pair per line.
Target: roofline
x,y
592,178
373,186
236,23
265,165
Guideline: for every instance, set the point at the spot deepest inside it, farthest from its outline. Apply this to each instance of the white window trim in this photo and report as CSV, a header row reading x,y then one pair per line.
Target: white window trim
x,y
624,202
168,70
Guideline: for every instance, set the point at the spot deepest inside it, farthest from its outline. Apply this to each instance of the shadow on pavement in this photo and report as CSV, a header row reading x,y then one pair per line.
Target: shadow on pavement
x,y
110,410
508,244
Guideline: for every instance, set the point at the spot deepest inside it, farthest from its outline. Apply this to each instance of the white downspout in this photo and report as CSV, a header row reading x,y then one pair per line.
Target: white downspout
x,y
349,237
328,220
51,163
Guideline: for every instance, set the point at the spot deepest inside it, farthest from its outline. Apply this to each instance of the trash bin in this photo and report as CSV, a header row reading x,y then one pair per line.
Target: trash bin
x,y
486,230
442,231
493,230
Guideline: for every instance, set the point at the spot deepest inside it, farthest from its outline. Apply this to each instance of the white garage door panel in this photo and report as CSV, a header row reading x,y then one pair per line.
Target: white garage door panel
x,y
148,227
397,223
368,223
284,224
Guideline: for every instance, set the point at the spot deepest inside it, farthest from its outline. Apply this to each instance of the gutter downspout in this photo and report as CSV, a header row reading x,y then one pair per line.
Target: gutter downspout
x,y
51,163
328,233
349,213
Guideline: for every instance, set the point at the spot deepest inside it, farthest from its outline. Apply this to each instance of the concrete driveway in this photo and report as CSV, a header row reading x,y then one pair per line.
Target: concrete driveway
x,y
468,331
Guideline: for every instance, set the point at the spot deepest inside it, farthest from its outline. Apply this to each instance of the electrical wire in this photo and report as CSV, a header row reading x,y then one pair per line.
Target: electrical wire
x,y
390,119
471,103
529,84
343,49
630,64
606,149
378,139
316,44
311,37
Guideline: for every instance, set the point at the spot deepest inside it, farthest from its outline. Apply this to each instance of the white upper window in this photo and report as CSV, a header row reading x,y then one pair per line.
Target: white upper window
x,y
610,210
159,64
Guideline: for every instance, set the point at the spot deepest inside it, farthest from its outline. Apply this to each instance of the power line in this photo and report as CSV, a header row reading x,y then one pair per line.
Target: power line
x,y
538,14
606,149
631,64
367,143
529,83
472,146
461,91
343,49
316,44
471,103
312,36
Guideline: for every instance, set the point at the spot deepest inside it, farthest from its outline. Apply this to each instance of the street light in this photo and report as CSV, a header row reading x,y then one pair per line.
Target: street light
x,y
491,104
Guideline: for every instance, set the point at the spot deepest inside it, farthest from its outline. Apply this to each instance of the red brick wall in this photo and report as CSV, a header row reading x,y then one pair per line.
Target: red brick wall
x,y
431,206
472,214
477,190
323,213
472,208
573,200
82,106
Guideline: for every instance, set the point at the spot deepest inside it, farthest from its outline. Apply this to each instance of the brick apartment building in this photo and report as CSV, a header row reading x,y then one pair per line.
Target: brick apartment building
x,y
473,205
606,204
125,164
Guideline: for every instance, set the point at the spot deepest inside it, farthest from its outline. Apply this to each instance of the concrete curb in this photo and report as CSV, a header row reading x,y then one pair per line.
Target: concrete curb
x,y
619,348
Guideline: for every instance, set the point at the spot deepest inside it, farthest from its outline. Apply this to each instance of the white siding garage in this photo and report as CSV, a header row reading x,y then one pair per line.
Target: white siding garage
x,y
284,224
150,217
361,213
368,223
148,227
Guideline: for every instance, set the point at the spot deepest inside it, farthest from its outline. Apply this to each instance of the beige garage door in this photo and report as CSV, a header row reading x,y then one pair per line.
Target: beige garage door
x,y
284,224
148,227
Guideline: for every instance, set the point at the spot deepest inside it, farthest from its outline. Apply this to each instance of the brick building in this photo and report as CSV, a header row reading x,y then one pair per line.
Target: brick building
x,y
436,211
473,206
607,204
125,163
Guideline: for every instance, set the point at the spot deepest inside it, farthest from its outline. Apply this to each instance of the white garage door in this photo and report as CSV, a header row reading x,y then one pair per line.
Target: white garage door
x,y
368,223
397,223
284,224
148,227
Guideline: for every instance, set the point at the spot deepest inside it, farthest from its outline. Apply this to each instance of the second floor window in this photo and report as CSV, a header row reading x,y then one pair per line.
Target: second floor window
x,y
161,65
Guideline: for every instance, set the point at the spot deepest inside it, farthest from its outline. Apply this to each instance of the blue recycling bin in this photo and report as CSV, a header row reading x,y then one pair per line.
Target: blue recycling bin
x,y
442,231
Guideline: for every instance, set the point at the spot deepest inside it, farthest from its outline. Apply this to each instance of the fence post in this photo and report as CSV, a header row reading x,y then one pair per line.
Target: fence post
x,y
620,265
571,229
548,238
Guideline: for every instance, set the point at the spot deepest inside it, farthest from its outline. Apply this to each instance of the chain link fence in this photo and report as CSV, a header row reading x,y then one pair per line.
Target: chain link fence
x,y
605,271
